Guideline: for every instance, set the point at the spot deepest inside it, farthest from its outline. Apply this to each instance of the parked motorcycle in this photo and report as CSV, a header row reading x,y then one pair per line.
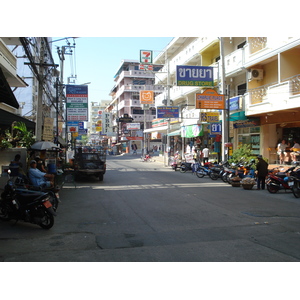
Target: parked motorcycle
x,y
217,171
294,181
185,166
28,206
24,183
202,171
279,181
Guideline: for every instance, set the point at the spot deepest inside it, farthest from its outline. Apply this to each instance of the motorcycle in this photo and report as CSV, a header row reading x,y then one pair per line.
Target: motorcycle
x,y
217,171
202,171
279,181
185,166
175,162
32,207
25,184
294,181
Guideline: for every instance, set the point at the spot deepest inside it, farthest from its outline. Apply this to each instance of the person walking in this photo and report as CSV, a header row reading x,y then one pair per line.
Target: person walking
x,y
134,148
262,172
205,153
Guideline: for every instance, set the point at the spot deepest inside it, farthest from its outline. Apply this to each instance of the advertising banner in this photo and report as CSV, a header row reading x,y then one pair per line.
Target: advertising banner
x,y
77,102
194,76
146,97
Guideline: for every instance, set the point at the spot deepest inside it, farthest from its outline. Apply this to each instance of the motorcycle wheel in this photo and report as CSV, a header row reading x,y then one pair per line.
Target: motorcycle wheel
x,y
47,220
183,168
224,177
229,178
4,211
296,189
213,176
272,188
200,173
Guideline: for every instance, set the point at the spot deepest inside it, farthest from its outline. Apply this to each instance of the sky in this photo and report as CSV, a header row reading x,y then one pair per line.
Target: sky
x,y
97,59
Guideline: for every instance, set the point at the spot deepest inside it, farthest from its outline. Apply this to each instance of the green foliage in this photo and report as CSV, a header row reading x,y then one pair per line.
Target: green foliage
x,y
21,137
242,154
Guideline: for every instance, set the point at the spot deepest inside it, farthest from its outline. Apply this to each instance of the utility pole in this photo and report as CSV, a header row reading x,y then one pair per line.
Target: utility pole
x,y
224,111
39,108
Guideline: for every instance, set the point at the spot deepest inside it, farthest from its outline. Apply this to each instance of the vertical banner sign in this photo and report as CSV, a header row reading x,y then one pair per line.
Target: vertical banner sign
x,y
146,97
194,76
48,129
77,102
146,57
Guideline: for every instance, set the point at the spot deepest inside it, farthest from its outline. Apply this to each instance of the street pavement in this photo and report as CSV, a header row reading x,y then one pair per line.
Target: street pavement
x,y
146,212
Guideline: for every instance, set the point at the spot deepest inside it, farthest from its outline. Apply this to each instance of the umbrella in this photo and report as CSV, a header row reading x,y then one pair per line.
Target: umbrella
x,y
44,146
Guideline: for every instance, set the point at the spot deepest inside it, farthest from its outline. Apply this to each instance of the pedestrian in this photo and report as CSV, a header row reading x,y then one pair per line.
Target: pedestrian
x,y
134,148
205,152
262,172
39,178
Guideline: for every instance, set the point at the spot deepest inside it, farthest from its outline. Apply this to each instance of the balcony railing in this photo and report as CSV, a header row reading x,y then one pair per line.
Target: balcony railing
x,y
257,43
273,91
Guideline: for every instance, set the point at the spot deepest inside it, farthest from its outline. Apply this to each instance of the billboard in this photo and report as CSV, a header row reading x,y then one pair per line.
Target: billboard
x,y
77,102
168,112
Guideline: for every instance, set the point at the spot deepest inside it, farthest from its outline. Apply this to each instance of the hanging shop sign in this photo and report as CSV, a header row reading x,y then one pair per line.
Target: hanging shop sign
x,y
77,102
146,57
72,126
146,67
210,99
146,97
133,126
48,129
194,76
216,128
167,112
210,117
159,122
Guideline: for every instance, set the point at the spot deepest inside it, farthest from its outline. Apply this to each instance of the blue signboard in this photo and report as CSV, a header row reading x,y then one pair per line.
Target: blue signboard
x,y
167,112
76,89
194,76
234,103
216,128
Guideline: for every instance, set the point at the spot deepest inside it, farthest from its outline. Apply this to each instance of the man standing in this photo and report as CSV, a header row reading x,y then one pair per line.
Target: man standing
x,y
134,148
262,172
205,153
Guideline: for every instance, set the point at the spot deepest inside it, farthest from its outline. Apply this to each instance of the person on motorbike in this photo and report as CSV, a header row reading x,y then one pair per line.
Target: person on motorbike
x,y
39,178
262,172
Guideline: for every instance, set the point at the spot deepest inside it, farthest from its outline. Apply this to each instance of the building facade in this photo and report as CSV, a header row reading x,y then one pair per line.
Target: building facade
x,y
125,104
261,88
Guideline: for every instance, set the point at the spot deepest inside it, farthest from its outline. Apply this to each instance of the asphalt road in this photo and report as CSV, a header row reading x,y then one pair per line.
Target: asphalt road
x,y
145,212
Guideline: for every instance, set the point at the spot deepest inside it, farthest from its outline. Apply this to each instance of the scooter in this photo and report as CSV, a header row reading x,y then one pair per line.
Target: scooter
x,y
202,171
34,208
280,181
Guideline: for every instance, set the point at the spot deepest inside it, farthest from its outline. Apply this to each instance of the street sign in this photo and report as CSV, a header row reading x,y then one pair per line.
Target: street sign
x,y
146,56
216,128
210,99
210,117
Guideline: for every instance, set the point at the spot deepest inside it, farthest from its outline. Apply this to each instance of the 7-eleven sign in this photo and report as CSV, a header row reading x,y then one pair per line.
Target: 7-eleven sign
x,y
146,57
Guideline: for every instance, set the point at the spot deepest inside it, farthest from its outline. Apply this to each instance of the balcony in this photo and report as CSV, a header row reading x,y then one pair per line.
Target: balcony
x,y
274,96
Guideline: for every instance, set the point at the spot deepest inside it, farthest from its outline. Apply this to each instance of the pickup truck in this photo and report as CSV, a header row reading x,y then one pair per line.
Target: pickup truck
x,y
90,163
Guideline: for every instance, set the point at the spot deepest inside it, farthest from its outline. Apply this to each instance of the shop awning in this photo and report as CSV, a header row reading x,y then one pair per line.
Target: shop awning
x,y
238,116
7,118
162,129
6,94
176,132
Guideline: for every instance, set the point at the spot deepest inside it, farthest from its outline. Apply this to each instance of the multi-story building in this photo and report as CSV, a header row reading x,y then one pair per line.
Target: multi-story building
x,y
129,81
262,89
10,80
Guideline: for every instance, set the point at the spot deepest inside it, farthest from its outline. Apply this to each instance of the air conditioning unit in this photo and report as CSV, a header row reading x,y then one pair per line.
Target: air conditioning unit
x,y
256,74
